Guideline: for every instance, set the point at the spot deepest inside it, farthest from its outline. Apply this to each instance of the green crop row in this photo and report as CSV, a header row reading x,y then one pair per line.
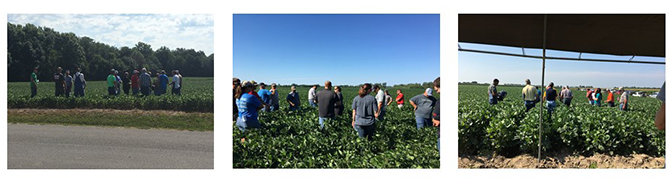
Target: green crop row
x,y
507,129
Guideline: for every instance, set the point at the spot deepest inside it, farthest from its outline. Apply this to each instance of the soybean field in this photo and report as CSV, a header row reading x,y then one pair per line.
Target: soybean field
x,y
197,96
506,129
292,139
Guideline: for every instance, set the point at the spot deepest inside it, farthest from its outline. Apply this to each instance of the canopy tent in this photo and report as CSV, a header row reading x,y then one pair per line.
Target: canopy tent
x,y
637,35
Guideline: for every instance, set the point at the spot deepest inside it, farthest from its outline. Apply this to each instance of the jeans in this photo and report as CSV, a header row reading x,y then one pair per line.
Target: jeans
x,y
79,91
176,91
135,91
293,108
243,123
592,102
381,116
550,105
529,105
598,103
567,101
33,92
312,104
322,119
145,90
492,101
366,131
59,91
610,104
111,91
422,122
624,108
275,107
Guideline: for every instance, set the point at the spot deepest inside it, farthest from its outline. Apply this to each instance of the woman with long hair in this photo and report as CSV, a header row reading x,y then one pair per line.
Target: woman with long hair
x,y
364,109
598,97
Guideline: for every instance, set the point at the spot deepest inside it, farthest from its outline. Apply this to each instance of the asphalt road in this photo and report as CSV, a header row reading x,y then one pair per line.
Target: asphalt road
x,y
85,147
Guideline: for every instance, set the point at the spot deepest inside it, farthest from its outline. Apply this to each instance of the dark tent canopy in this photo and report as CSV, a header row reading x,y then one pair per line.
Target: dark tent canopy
x,y
639,35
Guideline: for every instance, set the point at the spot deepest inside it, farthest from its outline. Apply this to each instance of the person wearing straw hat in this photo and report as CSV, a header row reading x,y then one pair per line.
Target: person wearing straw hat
x,y
423,105
293,99
248,107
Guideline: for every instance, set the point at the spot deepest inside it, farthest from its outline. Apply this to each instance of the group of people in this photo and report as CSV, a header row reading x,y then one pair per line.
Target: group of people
x,y
366,109
532,95
138,83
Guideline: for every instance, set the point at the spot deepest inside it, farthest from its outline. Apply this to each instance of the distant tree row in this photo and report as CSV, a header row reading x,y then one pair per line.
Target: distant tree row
x,y
382,85
30,46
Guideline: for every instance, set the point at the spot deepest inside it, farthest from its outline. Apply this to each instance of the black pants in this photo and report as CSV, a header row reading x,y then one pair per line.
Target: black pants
x,y
111,91
59,91
33,92
126,89
145,90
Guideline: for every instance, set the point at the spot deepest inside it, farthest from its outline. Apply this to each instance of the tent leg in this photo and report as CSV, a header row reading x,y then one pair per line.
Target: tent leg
x,y
541,106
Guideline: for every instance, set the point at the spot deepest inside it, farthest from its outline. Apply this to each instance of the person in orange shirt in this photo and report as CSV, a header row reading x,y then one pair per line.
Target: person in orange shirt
x,y
610,98
400,99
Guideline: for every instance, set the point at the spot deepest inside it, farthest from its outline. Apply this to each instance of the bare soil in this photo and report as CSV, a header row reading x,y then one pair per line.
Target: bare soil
x,y
596,161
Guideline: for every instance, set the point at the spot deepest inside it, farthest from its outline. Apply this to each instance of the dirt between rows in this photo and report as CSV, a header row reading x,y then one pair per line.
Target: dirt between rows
x,y
596,161
96,111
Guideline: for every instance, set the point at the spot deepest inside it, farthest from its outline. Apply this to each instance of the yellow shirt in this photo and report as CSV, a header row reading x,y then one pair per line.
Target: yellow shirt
x,y
529,92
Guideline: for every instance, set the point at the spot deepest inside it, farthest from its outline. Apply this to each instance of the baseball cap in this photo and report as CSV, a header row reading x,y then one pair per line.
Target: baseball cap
x,y
248,84
429,91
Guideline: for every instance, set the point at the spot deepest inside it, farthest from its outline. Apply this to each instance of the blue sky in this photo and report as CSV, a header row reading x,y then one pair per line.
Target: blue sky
x,y
346,49
173,30
485,67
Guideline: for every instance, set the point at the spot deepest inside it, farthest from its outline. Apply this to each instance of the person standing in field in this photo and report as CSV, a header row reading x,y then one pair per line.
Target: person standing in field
x,y
423,105
551,94
400,99
598,97
529,95
325,100
163,82
388,98
293,99
135,82
338,105
33,83
80,83
119,82
111,84
566,95
436,114
68,83
589,95
492,92
175,85
265,97
248,105
275,99
624,99
610,98
380,99
311,96
364,108
145,83
156,87
237,91
126,83
59,82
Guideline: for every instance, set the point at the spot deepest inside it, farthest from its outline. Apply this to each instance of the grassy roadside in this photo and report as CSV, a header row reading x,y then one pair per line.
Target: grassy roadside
x,y
115,118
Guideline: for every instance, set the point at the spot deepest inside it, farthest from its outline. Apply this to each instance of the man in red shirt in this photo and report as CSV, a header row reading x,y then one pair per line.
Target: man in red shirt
x,y
400,99
135,82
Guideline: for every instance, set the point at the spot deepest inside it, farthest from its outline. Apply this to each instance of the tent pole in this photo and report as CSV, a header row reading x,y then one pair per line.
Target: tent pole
x,y
541,106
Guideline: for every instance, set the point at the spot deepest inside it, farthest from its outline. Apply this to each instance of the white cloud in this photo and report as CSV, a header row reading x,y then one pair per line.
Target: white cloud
x,y
173,30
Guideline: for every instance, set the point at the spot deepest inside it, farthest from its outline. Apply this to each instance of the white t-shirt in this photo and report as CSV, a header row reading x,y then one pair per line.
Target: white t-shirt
x,y
311,94
176,79
380,98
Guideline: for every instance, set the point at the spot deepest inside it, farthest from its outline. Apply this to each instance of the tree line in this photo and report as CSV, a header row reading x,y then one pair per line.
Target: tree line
x,y
30,46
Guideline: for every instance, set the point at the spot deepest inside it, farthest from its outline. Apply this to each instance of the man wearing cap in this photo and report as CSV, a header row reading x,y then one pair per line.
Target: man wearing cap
x,y
325,100
80,83
265,97
112,84
59,81
145,82
33,83
380,101
176,83
293,99
530,95
275,100
311,96
623,101
423,105
163,83
492,92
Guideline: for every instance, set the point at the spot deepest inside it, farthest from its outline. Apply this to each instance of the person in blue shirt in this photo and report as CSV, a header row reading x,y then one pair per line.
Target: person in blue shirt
x,y
248,105
163,83
265,97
